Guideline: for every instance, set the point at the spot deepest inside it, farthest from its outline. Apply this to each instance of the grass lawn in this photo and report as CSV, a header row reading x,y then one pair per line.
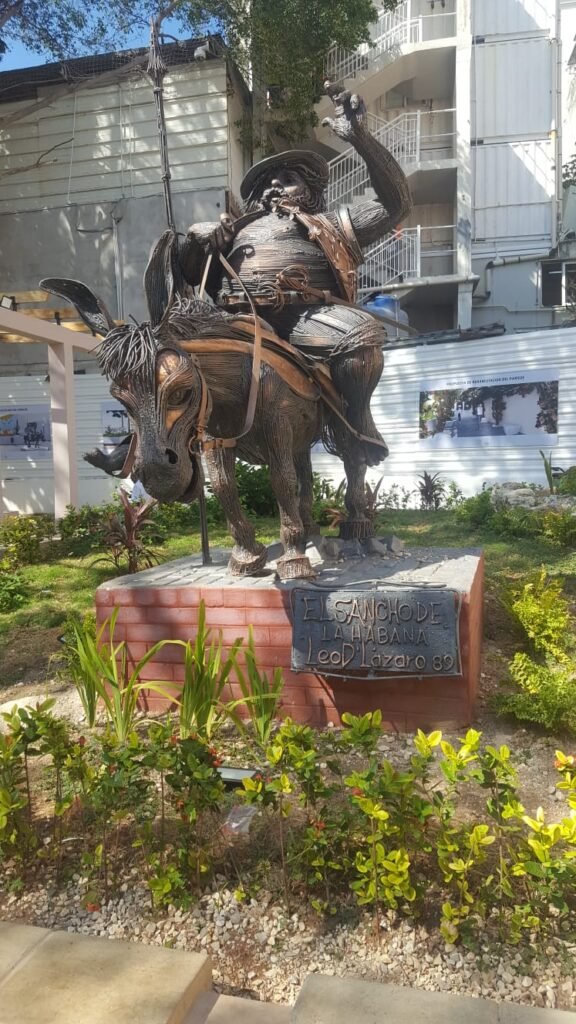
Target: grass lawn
x,y
29,635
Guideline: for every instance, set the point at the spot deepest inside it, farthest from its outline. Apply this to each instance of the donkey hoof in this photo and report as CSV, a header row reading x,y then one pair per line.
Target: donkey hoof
x,y
247,563
293,567
356,529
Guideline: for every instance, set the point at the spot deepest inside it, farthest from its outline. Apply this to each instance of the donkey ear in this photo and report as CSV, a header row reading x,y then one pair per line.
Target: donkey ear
x,y
91,309
163,278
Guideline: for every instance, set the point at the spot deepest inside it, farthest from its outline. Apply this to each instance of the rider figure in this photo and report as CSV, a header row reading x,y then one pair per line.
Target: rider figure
x,y
299,263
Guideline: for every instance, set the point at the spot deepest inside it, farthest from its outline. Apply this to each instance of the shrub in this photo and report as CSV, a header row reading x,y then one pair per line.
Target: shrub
x,y
566,484
544,676
476,511
21,535
13,591
559,527
82,529
255,490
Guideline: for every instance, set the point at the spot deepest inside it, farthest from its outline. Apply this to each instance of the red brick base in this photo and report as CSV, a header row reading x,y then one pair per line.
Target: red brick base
x,y
158,613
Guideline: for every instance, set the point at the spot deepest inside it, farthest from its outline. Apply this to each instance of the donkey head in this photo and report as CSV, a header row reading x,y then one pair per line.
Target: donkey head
x,y
162,389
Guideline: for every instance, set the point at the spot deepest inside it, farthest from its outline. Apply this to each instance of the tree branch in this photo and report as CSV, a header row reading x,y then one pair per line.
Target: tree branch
x,y
11,11
37,163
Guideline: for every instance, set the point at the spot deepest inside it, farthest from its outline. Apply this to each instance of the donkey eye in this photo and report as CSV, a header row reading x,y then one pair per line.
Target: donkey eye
x,y
178,397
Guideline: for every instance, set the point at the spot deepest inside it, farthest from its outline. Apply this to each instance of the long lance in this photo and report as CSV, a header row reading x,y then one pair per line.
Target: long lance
x,y
156,70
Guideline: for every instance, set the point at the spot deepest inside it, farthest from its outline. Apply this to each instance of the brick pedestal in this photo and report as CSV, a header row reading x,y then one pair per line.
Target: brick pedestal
x,y
162,603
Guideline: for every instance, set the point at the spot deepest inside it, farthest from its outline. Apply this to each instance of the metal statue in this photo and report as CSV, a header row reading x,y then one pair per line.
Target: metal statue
x,y
281,360
299,266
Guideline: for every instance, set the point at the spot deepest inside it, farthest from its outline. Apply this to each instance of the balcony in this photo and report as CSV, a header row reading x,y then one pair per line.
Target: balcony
x,y
416,139
390,34
409,257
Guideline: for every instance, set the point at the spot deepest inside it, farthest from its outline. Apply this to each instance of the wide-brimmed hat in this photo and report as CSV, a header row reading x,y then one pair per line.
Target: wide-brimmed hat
x,y
291,158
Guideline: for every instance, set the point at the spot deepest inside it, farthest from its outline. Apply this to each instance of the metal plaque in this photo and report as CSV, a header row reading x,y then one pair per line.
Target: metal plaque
x,y
376,633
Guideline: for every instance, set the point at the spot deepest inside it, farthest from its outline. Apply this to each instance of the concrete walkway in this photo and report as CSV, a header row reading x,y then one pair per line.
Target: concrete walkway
x,y
63,978
324,1000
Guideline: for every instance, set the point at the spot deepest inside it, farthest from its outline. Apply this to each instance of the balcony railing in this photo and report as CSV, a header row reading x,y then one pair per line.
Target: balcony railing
x,y
407,255
411,138
389,33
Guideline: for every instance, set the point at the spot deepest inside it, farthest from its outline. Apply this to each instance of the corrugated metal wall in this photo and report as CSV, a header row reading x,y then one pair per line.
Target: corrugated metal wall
x,y
110,139
513,190
27,487
396,410
506,17
513,114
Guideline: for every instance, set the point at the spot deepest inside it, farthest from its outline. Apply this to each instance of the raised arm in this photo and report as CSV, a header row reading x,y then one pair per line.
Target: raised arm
x,y
376,217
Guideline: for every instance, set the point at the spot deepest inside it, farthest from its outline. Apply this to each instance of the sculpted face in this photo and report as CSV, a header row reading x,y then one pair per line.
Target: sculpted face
x,y
289,183
164,406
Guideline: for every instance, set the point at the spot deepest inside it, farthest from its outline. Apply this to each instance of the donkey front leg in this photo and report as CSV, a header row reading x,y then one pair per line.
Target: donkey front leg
x,y
357,525
294,562
248,555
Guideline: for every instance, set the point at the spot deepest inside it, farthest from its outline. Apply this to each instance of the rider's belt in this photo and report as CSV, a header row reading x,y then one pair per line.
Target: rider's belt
x,y
288,298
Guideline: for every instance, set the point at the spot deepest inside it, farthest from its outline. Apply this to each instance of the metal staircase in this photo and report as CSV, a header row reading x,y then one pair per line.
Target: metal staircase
x,y
392,31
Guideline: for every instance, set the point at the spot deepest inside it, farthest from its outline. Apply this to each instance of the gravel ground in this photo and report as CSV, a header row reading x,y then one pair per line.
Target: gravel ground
x,y
260,952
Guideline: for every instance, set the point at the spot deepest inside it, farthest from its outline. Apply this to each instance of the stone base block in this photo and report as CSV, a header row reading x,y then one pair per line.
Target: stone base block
x,y
162,603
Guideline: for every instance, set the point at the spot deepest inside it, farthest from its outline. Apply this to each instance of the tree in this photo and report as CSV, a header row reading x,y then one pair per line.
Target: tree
x,y
279,44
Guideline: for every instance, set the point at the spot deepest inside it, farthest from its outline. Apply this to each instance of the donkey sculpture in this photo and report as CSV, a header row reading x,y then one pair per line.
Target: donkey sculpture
x,y
187,381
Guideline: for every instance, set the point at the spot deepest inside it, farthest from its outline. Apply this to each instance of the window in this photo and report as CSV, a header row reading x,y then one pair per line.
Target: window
x,y
558,283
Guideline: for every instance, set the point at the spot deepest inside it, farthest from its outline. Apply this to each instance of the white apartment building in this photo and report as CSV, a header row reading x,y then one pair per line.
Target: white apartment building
x,y
477,100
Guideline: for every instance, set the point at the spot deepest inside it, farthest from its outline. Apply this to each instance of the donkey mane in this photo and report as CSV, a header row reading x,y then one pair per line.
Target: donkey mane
x,y
130,350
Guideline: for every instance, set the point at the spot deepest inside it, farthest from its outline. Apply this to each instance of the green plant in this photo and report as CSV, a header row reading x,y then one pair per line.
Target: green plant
x,y
82,529
20,536
127,536
559,527
13,590
261,695
104,674
454,497
255,490
544,677
548,469
206,672
432,489
476,511
566,484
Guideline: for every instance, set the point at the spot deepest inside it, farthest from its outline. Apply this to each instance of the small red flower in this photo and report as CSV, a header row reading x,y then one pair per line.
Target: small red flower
x,y
93,908
319,825
174,740
81,741
217,762
357,792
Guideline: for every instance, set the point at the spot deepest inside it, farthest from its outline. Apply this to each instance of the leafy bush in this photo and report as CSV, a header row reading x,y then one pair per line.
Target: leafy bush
x,y
20,537
177,517
13,591
566,483
559,527
476,511
82,529
544,676
255,490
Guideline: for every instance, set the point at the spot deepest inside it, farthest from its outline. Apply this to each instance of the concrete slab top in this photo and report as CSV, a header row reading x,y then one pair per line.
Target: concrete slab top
x,y
69,978
441,567
329,1000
